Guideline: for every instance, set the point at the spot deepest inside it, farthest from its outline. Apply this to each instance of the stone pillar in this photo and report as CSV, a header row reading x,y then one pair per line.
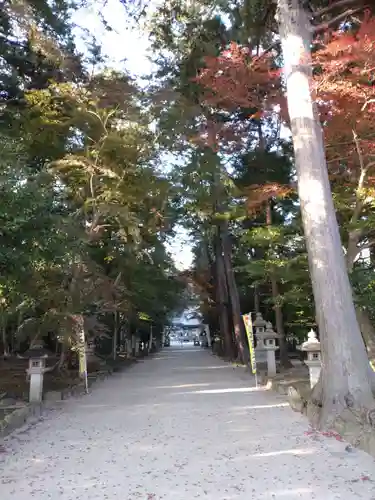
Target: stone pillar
x,y
36,373
271,363
128,347
90,351
37,356
207,329
314,360
259,326
270,337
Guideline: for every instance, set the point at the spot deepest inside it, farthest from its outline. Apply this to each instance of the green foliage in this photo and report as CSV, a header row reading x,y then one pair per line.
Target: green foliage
x,y
363,281
86,208
83,206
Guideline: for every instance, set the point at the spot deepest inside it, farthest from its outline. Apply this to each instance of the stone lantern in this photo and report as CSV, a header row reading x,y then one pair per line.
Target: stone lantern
x,y
314,360
90,350
270,346
259,325
37,356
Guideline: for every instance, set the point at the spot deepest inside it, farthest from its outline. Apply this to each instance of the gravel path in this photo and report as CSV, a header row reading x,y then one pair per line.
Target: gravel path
x,y
180,426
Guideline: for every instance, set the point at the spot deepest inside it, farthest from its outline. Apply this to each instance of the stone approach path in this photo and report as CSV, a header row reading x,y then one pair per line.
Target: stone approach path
x,y
179,426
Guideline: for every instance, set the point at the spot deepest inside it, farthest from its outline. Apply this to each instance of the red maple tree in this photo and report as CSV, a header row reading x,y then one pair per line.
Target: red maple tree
x,y
344,89
247,89
238,79
344,83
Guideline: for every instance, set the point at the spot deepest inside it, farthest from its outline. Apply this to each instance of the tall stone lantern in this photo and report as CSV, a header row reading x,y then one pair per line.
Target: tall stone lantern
x,y
259,325
270,346
37,356
314,359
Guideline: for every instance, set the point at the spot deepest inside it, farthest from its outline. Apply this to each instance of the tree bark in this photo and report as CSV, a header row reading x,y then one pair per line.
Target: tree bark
x,y
80,336
363,318
225,254
221,279
367,330
238,325
115,335
222,300
123,332
352,251
61,363
6,352
279,320
345,367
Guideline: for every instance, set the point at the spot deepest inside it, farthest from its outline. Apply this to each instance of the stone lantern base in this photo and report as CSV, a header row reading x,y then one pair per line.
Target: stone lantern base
x,y
314,371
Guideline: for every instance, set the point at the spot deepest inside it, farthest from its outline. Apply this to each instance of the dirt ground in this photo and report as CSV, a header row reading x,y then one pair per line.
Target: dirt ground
x,y
14,384
180,425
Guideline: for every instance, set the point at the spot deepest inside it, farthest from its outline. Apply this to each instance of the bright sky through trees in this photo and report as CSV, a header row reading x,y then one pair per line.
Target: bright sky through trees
x,y
127,46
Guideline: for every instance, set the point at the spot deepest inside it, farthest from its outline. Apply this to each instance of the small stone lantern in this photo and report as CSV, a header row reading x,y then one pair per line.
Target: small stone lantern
x,y
37,363
270,337
259,326
314,360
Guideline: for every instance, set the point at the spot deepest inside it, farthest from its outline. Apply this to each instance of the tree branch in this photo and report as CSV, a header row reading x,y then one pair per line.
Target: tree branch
x,y
335,20
364,169
354,235
335,5
323,26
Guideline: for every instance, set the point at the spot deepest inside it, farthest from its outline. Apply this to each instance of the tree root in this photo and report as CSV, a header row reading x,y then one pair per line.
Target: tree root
x,y
354,424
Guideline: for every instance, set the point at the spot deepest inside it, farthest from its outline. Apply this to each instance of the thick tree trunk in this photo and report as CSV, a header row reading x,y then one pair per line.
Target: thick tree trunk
x,y
6,352
225,252
367,330
345,367
364,321
221,279
238,325
123,333
115,335
284,357
80,336
62,358
222,300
